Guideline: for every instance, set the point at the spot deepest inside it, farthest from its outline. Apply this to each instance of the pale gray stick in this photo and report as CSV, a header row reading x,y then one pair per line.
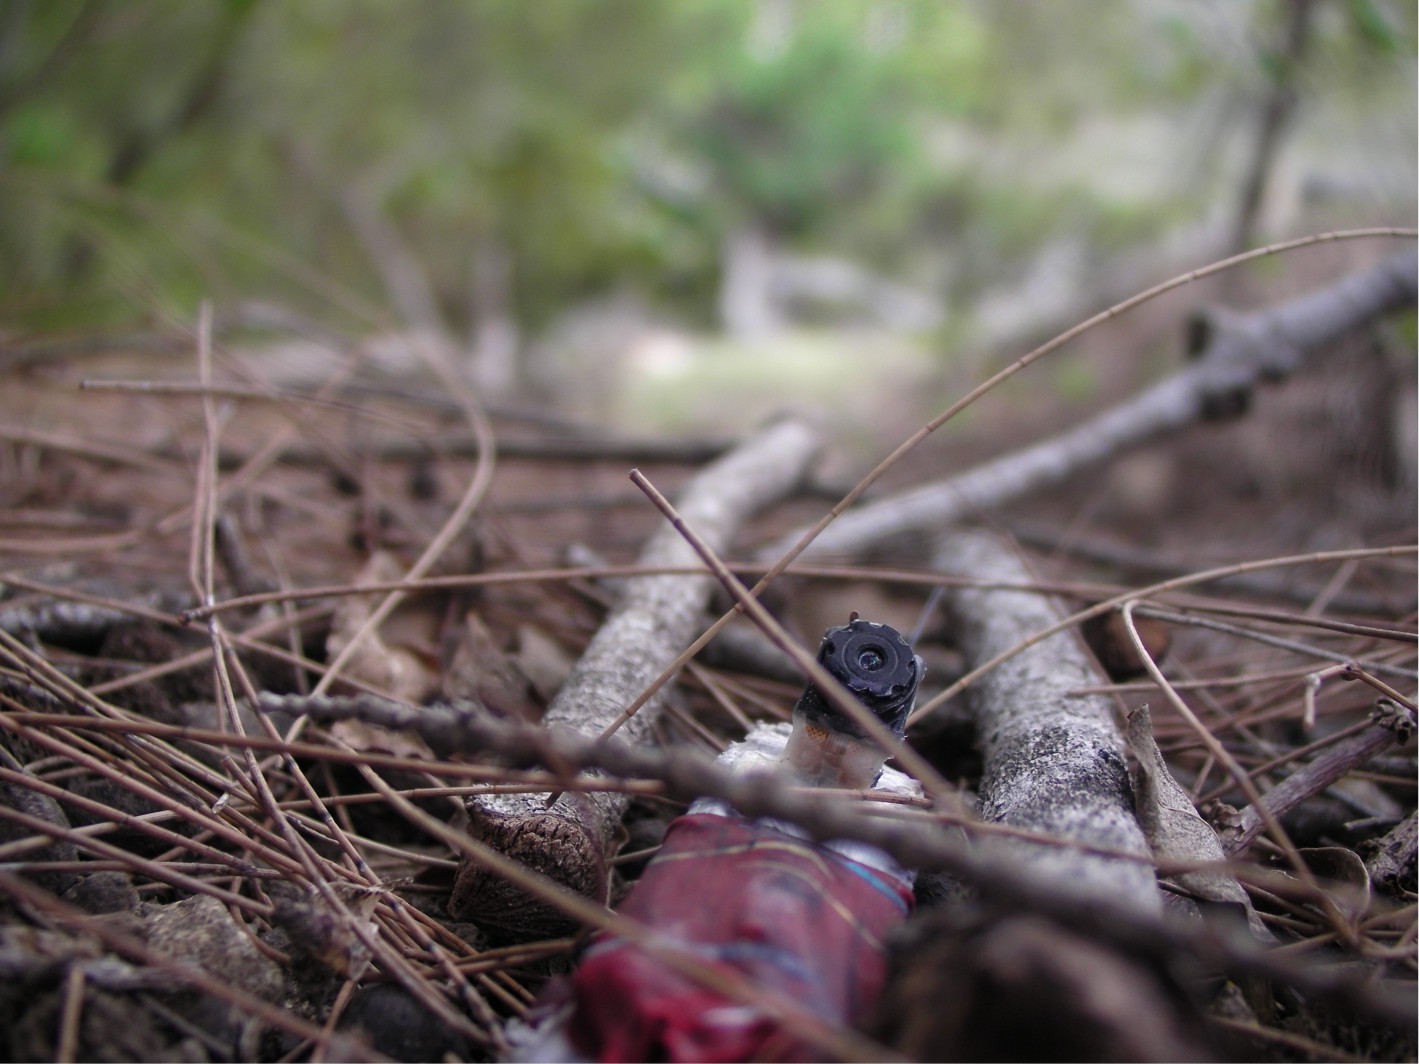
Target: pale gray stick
x,y
1237,351
1053,763
655,619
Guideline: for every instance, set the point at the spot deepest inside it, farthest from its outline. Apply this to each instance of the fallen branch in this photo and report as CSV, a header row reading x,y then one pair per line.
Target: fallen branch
x,y
1392,723
1392,862
1053,540
552,449
1053,763
570,840
1233,352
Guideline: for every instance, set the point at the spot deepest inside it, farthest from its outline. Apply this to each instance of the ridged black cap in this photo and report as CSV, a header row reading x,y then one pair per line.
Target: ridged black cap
x,y
877,665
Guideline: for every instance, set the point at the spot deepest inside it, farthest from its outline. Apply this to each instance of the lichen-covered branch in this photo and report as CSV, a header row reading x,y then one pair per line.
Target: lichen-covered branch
x,y
655,619
1053,763
1233,353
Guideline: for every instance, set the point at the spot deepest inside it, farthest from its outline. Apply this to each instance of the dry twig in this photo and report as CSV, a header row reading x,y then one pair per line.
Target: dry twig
x,y
1236,353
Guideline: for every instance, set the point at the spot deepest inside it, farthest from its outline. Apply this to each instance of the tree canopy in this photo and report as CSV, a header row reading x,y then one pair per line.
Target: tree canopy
x,y
156,151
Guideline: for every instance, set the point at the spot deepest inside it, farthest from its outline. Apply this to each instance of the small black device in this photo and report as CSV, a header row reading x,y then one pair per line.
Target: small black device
x,y
877,665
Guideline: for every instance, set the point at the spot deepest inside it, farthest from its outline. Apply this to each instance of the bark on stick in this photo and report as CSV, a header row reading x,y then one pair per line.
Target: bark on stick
x,y
1232,352
655,619
1053,763
1392,723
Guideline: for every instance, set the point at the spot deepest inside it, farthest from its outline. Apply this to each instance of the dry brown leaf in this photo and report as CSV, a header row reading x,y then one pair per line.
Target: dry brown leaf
x,y
482,671
399,657
543,660
373,739
1175,831
319,931
1342,875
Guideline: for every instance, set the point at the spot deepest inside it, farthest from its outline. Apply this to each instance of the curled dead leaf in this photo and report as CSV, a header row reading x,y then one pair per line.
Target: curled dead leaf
x,y
481,671
1175,831
318,929
399,658
1343,877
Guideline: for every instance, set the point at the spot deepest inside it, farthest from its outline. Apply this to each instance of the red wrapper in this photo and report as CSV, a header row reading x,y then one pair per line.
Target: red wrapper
x,y
795,918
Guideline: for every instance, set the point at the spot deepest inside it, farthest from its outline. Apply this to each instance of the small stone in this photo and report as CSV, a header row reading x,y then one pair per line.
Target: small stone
x,y
400,1027
200,931
103,892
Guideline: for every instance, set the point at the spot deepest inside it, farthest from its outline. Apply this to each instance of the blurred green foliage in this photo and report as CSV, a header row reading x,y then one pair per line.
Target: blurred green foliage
x,y
153,152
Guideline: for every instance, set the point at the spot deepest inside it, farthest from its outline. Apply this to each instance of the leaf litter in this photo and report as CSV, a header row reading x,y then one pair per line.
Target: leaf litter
x,y
186,876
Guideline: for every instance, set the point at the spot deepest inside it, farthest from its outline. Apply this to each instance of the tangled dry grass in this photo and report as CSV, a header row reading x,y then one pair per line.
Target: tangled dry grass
x,y
189,870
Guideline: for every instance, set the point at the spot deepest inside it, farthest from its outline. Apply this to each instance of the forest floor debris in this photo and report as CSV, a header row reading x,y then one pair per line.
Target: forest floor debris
x,y
156,812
